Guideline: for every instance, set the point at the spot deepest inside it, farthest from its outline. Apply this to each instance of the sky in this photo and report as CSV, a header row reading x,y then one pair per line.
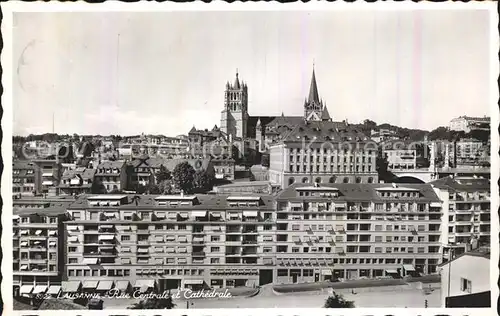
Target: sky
x,y
162,73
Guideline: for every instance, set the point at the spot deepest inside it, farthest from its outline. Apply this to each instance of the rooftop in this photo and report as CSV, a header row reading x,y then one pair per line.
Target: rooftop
x,y
482,252
462,183
359,192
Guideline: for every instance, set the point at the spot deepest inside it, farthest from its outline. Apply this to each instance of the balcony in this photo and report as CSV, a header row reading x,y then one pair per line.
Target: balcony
x,y
143,242
198,254
143,232
249,242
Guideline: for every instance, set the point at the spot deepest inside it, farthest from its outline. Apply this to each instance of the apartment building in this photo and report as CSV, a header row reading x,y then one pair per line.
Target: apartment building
x,y
47,175
350,231
37,246
466,211
112,175
77,181
401,155
163,242
23,178
468,124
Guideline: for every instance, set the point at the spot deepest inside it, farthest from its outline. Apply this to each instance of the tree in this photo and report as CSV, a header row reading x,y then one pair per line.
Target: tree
x,y
166,187
202,182
184,177
154,303
162,174
140,189
97,187
338,301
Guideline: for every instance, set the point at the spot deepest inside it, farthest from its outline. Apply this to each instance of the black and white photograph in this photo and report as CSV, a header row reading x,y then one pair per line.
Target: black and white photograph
x,y
314,158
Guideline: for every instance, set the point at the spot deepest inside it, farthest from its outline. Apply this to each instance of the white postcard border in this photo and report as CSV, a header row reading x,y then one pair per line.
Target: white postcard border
x,y
7,121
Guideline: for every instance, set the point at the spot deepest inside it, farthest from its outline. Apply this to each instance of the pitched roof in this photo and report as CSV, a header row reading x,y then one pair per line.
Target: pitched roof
x,y
84,173
111,164
313,90
325,115
482,252
462,183
359,192
236,82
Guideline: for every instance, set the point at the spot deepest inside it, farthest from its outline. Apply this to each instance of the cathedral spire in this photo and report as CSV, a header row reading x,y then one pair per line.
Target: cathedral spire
x,y
236,81
313,91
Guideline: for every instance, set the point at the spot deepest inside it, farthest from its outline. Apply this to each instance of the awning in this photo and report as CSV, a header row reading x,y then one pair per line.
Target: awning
x,y
182,239
215,214
90,284
39,289
90,260
47,174
26,289
199,213
250,213
114,203
141,283
109,214
198,238
93,203
105,285
435,204
24,232
106,237
70,286
143,250
107,226
408,267
72,239
122,285
296,204
160,215
170,250
72,227
296,238
104,203
23,267
47,183
23,243
193,282
52,232
172,215
38,232
54,289
326,272
159,238
183,214
391,271
52,243
144,288
182,249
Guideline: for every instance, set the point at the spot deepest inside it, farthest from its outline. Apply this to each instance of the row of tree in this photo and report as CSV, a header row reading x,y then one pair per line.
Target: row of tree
x,y
183,178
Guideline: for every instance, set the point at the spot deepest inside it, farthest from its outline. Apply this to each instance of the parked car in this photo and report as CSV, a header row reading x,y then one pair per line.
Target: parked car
x,y
95,303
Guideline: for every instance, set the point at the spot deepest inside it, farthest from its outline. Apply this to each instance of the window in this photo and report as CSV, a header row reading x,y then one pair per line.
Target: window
x,y
125,238
214,249
465,285
215,238
71,249
73,260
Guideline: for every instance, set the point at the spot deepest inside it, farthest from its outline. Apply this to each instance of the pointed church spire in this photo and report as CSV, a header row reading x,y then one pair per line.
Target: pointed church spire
x,y
325,116
236,81
313,91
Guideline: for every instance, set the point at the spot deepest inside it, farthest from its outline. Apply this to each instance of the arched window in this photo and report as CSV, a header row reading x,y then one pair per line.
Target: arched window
x,y
305,180
318,180
332,179
370,180
346,180
291,181
358,180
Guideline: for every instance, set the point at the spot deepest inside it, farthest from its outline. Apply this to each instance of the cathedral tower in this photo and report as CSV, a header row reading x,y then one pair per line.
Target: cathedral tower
x,y
235,114
314,108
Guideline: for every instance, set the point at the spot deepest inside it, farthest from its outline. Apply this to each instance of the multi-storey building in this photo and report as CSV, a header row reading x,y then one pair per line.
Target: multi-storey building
x,y
313,154
23,177
224,168
112,175
163,242
37,246
349,231
468,124
47,175
400,155
466,211
77,181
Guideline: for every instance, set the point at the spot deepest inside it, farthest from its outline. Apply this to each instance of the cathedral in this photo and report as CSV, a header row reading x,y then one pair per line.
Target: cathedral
x,y
239,125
